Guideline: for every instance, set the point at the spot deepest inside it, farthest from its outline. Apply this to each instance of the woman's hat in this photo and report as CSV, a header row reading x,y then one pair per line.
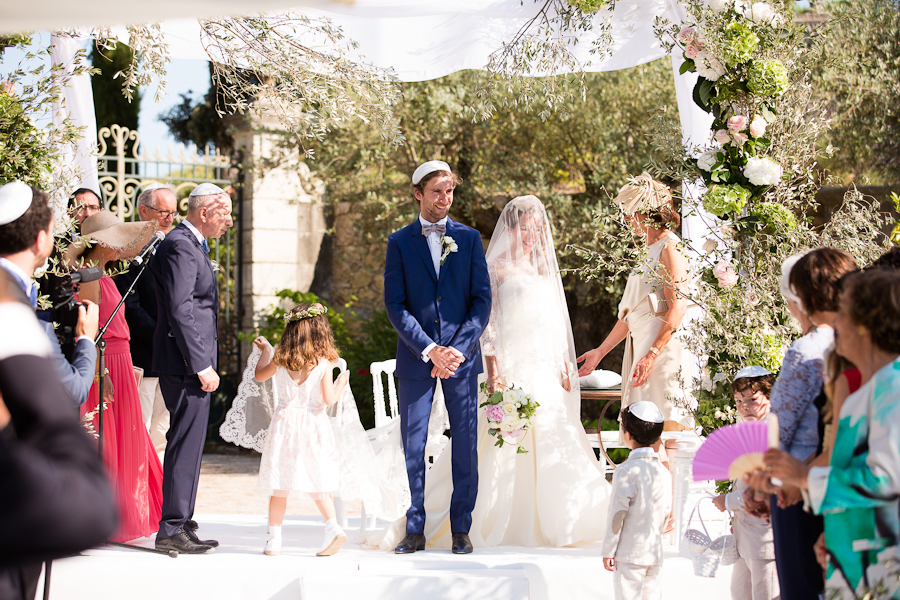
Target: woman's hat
x,y
642,193
108,230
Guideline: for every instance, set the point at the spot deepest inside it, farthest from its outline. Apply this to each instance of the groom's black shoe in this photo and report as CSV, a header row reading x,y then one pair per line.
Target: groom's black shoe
x,y
411,543
191,524
193,535
461,544
181,543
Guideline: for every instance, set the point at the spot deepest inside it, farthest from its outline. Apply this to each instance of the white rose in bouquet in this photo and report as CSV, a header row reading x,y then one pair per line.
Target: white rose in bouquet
x,y
509,408
509,396
760,12
763,171
504,426
708,159
718,5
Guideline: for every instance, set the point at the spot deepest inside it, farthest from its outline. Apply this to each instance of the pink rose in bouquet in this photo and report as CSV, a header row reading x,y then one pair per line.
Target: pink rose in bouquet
x,y
737,123
739,138
752,298
687,35
692,51
495,413
758,126
722,137
724,272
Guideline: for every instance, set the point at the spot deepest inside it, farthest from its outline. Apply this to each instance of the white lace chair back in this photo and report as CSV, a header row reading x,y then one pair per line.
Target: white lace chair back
x,y
377,369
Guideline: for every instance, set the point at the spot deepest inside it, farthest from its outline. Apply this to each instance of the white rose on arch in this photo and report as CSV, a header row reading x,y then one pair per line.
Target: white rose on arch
x,y
709,67
763,171
760,12
718,5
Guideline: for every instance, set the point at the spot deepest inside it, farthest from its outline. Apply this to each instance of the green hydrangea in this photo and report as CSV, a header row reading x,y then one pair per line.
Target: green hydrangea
x,y
724,199
768,78
740,42
588,6
774,215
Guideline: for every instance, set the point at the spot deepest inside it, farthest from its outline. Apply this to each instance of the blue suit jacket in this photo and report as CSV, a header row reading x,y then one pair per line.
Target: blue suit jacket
x,y
452,310
77,376
185,340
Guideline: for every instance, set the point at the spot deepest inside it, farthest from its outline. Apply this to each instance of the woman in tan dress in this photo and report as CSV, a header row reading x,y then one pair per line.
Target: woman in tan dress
x,y
656,366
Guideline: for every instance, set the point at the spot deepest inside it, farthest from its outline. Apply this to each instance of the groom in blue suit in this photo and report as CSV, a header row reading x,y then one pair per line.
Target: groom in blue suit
x,y
438,297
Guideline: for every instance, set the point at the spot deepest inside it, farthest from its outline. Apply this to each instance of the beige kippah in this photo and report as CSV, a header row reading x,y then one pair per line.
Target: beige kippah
x,y
642,193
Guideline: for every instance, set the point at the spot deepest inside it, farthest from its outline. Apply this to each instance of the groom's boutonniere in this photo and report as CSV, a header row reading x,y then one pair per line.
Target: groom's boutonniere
x,y
215,266
449,245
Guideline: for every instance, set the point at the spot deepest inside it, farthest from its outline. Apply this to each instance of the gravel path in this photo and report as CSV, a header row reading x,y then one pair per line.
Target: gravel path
x,y
228,486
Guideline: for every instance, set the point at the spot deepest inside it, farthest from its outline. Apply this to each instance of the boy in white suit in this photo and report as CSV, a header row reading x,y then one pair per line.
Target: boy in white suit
x,y
754,576
638,509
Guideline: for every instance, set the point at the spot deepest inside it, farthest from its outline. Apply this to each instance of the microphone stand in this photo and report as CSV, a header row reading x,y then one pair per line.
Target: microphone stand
x,y
101,361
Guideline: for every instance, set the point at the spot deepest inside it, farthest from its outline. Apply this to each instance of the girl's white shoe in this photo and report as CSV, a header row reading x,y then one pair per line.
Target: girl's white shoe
x,y
334,539
273,544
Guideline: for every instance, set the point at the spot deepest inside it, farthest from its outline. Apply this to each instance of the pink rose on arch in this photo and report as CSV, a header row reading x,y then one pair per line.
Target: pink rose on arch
x,y
495,413
752,298
692,52
739,138
758,126
722,137
710,245
687,35
737,123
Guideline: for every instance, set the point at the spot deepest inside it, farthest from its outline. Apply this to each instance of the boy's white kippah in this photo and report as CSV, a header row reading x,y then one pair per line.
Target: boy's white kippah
x,y
430,167
646,411
752,371
15,199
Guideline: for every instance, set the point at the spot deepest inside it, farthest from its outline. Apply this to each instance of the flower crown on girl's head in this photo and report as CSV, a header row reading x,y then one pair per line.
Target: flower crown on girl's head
x,y
313,311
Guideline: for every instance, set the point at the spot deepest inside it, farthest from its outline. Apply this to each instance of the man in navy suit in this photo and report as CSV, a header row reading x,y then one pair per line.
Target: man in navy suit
x,y
438,297
185,354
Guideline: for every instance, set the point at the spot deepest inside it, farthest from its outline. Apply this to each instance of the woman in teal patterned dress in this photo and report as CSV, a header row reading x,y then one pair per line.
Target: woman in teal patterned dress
x,y
859,492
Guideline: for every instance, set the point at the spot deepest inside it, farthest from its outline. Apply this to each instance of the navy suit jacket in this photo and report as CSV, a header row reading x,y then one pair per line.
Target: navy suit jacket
x,y
185,340
450,310
140,313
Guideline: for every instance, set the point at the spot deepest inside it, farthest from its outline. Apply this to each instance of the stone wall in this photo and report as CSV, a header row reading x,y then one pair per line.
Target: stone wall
x,y
357,264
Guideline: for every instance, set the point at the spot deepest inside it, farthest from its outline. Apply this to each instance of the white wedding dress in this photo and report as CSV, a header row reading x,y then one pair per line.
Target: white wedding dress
x,y
556,494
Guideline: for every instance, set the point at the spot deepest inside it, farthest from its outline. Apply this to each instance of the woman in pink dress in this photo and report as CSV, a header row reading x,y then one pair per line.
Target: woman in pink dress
x,y
128,454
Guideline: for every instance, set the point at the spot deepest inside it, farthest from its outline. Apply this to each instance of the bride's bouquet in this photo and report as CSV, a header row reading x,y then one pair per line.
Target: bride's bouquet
x,y
510,413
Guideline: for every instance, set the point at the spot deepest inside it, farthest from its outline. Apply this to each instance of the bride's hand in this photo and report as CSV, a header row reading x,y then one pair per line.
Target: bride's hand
x,y
493,384
591,359
566,384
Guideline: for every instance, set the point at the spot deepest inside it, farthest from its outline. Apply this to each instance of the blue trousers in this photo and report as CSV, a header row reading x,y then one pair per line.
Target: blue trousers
x,y
189,408
415,397
795,531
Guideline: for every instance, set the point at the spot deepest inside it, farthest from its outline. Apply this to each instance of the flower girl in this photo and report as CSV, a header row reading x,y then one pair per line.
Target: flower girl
x,y
300,452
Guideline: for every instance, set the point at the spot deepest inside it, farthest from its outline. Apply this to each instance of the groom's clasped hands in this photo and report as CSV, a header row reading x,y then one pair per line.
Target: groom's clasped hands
x,y
445,360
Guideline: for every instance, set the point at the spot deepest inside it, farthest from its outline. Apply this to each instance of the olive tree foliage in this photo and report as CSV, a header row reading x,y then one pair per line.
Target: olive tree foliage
x,y
859,82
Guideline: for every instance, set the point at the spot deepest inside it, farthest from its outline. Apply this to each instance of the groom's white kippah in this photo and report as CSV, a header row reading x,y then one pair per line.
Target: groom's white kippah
x,y
430,167
207,189
15,198
646,411
752,371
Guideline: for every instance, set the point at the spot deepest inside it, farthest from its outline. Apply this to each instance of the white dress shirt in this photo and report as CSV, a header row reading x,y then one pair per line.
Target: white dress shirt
x,y
434,245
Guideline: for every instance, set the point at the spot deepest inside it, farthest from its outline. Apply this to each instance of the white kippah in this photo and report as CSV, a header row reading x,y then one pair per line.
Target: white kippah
x,y
207,189
430,167
15,198
646,411
752,371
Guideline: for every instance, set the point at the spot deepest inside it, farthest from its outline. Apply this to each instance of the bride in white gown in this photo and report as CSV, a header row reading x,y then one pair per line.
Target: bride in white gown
x,y
556,494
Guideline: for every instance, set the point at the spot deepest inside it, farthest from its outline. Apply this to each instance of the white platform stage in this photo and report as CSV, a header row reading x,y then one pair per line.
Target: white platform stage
x,y
239,570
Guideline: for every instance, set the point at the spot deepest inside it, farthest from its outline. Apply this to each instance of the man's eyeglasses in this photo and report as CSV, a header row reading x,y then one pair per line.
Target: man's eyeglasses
x,y
165,214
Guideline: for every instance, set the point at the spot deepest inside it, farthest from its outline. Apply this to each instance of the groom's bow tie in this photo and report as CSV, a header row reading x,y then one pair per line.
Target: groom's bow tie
x,y
434,228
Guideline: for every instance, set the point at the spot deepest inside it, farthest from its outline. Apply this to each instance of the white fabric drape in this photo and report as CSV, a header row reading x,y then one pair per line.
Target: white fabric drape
x,y
78,105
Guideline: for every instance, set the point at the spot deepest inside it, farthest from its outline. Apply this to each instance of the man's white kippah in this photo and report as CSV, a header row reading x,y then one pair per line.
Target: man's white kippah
x,y
752,371
430,167
646,411
15,198
207,189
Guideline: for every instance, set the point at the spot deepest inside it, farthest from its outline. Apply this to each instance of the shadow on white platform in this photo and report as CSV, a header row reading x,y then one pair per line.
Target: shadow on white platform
x,y
239,570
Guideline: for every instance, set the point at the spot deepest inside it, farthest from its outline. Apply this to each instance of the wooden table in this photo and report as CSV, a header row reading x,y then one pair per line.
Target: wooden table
x,y
608,396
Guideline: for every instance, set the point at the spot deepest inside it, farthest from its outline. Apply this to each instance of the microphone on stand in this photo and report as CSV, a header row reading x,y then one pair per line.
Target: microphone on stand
x,y
149,248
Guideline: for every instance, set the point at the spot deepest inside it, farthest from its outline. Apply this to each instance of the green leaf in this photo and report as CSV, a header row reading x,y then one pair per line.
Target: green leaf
x,y
687,66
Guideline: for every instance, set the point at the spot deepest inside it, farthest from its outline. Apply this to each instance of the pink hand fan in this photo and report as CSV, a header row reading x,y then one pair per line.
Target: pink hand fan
x,y
733,450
